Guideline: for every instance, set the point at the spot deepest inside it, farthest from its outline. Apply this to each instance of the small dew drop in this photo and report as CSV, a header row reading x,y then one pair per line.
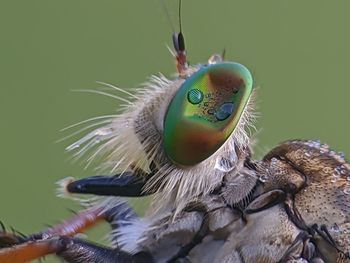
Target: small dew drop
x,y
73,146
263,178
195,96
97,140
325,146
274,160
226,164
104,131
348,178
334,180
335,228
346,191
214,59
224,111
307,154
211,111
315,143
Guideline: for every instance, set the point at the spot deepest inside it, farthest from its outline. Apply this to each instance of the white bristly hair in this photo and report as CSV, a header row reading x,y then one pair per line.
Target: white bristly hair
x,y
133,140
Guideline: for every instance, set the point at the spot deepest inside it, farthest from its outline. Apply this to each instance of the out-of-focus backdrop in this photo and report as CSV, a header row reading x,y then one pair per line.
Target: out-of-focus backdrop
x,y
297,50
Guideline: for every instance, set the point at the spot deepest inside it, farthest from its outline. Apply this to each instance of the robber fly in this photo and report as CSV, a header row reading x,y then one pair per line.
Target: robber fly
x,y
185,142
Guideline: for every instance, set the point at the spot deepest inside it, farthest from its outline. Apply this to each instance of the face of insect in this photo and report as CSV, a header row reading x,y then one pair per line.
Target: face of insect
x,y
192,129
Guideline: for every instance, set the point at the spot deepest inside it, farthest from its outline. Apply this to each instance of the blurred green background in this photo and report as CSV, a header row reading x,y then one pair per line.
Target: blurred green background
x,y
297,50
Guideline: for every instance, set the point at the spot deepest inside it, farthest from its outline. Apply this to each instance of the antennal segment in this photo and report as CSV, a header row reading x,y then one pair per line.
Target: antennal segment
x,y
178,40
181,60
179,45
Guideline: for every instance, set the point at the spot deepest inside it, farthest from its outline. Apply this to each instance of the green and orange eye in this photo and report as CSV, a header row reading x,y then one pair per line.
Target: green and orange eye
x,y
205,111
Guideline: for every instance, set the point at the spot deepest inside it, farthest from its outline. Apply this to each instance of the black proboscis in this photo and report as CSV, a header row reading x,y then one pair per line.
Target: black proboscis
x,y
125,184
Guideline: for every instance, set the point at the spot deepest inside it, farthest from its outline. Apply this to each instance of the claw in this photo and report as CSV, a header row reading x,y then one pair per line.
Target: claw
x,y
2,227
10,239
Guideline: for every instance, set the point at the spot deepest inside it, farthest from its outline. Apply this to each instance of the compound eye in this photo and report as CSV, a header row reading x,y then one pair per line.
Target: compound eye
x,y
205,111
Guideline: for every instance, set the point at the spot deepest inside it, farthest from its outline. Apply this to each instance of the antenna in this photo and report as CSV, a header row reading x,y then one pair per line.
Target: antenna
x,y
179,45
166,11
178,40
180,3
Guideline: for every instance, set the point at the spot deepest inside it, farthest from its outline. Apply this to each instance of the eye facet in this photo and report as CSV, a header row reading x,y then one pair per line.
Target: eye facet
x,y
205,111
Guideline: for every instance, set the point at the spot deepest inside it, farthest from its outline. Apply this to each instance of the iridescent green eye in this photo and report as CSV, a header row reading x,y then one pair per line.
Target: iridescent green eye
x,y
205,111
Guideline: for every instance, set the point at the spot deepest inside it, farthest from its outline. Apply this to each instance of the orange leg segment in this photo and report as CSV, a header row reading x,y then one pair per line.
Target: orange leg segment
x,y
28,251
77,224
45,243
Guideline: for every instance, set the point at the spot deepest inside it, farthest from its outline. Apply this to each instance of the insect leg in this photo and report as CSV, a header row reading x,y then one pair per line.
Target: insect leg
x,y
28,251
8,239
301,250
79,251
70,249
114,211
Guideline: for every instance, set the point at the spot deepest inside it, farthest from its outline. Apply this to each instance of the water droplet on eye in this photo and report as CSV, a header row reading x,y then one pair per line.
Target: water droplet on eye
x,y
211,111
226,164
195,96
346,191
224,111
